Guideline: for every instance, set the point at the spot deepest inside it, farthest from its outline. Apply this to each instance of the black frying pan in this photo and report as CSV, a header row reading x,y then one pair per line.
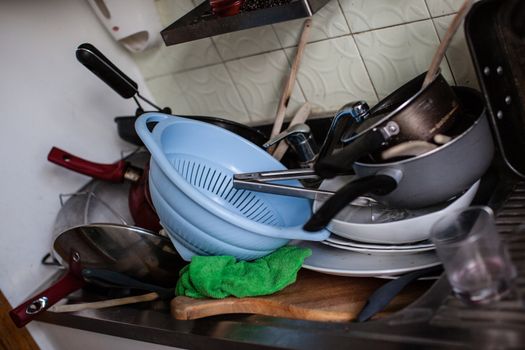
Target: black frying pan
x,y
408,114
98,64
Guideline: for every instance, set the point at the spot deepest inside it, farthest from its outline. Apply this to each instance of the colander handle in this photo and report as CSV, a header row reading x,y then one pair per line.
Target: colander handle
x,y
141,126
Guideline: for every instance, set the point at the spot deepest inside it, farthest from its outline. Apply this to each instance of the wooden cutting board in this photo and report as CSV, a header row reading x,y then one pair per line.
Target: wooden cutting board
x,y
314,296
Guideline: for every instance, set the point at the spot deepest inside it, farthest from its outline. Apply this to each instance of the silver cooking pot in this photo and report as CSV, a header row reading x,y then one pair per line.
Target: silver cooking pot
x,y
427,179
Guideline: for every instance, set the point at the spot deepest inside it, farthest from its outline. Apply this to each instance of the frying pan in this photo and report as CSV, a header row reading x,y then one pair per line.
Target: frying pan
x,y
99,65
139,200
427,179
408,114
135,252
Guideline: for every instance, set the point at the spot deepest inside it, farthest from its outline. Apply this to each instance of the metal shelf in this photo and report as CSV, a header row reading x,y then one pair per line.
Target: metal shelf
x,y
201,23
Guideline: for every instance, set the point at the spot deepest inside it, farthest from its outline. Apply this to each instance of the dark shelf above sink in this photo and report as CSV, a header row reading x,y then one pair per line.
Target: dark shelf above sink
x,y
201,23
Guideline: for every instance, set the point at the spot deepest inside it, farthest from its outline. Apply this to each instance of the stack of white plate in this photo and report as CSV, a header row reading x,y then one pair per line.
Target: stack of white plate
x,y
362,246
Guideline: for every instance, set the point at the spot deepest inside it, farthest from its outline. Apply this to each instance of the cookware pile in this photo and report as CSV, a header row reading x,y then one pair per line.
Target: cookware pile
x,y
379,210
364,205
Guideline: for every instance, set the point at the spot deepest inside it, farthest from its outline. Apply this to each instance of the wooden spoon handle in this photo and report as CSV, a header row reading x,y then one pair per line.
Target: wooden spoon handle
x,y
105,303
440,53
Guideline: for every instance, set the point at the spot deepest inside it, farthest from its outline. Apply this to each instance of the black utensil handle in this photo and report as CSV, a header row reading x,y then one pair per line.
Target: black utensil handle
x,y
121,280
377,184
97,63
384,294
341,162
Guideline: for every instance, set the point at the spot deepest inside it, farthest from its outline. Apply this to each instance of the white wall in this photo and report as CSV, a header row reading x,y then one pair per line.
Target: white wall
x,y
48,98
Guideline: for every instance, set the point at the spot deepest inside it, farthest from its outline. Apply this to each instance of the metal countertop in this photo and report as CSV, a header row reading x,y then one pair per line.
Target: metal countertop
x,y
436,320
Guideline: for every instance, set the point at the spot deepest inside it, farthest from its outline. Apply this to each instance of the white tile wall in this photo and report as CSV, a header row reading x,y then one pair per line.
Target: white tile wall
x,y
443,7
358,49
396,54
246,42
259,80
333,72
328,22
365,15
203,91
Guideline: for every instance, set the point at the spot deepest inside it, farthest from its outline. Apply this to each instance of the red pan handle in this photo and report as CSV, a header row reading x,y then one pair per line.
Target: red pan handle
x,y
70,282
107,172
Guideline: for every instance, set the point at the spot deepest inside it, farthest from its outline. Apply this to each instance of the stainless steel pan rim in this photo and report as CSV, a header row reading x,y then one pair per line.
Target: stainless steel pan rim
x,y
139,230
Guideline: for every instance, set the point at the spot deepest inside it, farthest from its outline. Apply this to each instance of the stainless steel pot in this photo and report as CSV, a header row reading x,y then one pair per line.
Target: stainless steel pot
x,y
427,179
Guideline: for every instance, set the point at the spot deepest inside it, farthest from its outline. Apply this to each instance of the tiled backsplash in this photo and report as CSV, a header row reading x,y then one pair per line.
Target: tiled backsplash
x,y
357,49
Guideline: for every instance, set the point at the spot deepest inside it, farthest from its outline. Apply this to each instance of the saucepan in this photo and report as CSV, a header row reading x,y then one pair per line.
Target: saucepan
x,y
430,178
132,251
103,68
139,200
409,183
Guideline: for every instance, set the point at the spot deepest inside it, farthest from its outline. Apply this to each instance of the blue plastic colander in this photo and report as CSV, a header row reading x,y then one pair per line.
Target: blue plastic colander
x,y
191,171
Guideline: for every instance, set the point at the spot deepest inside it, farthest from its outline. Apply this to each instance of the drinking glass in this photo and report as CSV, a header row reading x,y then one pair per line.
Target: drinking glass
x,y
476,261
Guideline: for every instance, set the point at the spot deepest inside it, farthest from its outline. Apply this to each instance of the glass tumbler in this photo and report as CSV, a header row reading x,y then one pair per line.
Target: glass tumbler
x,y
476,261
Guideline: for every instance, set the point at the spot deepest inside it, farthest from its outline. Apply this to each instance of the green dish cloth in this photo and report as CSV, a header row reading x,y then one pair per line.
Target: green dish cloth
x,y
222,276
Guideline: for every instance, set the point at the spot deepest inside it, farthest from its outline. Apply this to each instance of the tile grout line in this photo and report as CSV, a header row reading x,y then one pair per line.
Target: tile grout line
x,y
223,62
244,105
435,30
359,52
446,56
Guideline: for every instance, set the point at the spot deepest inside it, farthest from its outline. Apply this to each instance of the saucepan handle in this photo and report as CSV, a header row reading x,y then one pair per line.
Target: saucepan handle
x,y
384,294
377,184
99,65
107,172
119,279
27,311
341,162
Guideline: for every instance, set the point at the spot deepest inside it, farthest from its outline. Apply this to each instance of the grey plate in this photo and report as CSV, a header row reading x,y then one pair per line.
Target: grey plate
x,y
339,262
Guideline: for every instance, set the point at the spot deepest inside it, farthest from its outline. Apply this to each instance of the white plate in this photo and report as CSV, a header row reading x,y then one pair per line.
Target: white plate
x,y
334,239
378,251
339,262
413,229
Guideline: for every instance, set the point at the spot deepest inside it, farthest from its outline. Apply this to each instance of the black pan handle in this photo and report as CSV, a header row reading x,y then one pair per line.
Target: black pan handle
x,y
377,184
118,279
97,63
384,295
341,162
